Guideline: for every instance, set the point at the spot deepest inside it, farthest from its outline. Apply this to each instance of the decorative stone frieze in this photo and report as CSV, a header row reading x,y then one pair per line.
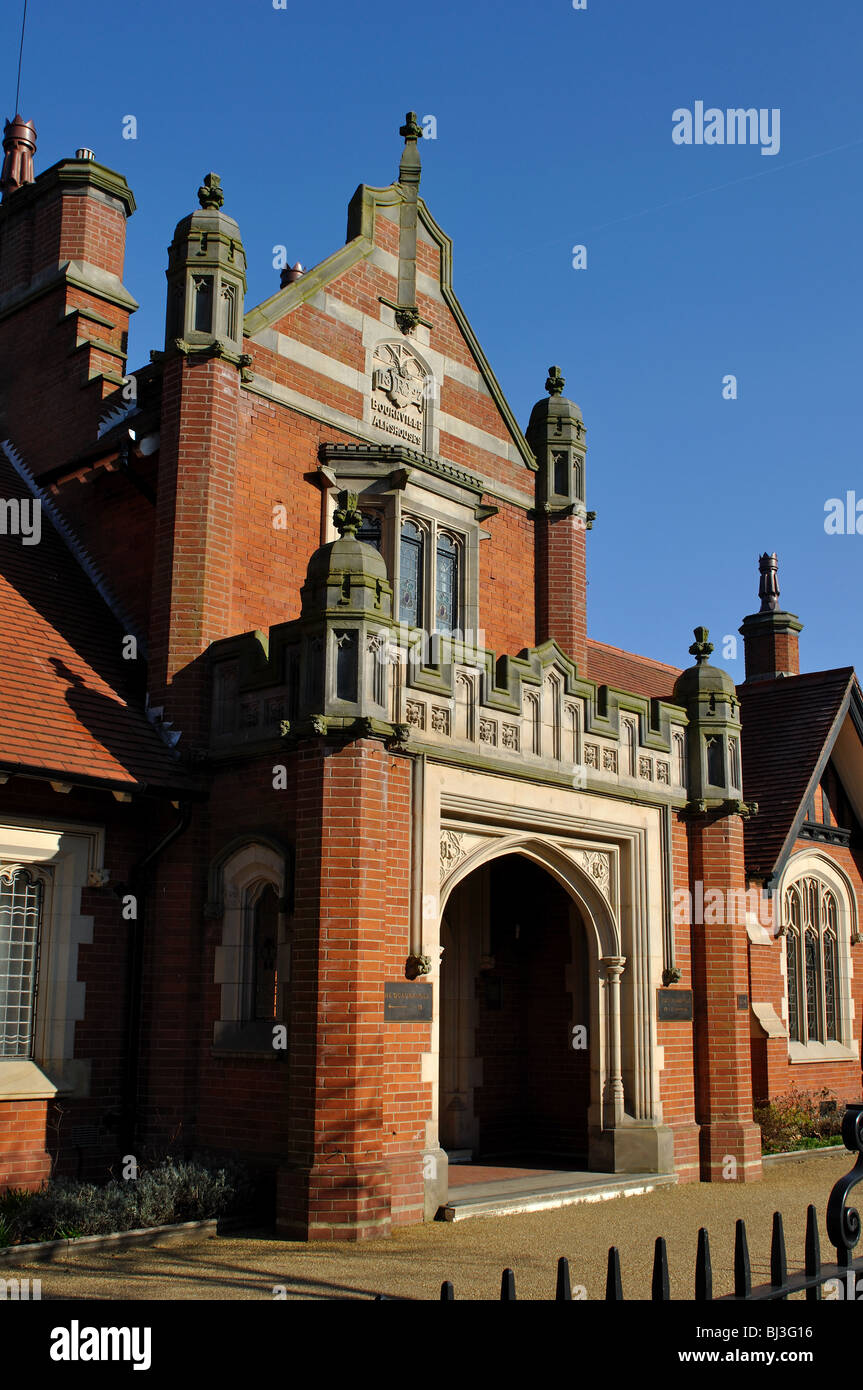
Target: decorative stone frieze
x,y
441,720
415,714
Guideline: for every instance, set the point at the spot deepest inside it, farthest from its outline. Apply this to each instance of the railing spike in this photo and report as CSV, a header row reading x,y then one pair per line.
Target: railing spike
x,y
813,1254
507,1287
613,1285
778,1259
703,1269
660,1291
742,1268
447,1292
563,1292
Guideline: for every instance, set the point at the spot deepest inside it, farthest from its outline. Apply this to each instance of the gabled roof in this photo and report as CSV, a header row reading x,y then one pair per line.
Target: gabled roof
x,y
361,243
789,727
63,710
626,671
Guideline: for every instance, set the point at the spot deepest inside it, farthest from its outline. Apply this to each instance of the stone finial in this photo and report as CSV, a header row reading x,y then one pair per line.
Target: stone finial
x,y
210,193
347,518
701,648
555,382
19,147
411,130
768,587
409,168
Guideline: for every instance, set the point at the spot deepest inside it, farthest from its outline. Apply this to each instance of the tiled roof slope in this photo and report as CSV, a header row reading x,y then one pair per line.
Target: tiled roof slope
x,y
625,671
785,725
62,674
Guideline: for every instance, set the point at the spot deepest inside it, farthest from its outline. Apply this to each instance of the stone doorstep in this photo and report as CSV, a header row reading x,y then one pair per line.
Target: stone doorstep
x,y
47,1250
542,1194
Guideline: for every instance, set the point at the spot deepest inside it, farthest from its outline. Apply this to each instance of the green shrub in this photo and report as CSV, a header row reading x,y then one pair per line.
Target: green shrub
x,y
799,1120
174,1190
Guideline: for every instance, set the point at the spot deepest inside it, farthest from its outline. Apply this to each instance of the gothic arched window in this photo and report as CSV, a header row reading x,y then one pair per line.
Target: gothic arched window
x,y
812,962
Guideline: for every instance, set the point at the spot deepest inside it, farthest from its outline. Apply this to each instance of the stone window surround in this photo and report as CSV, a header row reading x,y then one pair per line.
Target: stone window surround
x,y
243,872
808,864
433,514
69,853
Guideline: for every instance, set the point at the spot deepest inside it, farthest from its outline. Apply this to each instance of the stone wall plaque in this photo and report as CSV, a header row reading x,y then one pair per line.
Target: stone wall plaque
x,y
399,394
674,1005
407,1001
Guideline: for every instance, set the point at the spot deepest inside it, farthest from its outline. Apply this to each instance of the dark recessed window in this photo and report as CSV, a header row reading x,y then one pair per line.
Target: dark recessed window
x,y
370,531
265,946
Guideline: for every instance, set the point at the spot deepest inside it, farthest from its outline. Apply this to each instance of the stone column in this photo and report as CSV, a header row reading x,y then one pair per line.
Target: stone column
x,y
612,1094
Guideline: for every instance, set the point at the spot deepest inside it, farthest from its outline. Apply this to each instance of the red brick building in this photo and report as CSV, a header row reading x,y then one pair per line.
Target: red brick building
x,y
328,838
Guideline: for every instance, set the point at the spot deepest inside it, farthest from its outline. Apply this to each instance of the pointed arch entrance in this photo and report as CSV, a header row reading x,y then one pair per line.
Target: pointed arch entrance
x,y
521,1020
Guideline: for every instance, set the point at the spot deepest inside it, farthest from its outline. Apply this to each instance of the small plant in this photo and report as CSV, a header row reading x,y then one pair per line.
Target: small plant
x,y
799,1120
171,1191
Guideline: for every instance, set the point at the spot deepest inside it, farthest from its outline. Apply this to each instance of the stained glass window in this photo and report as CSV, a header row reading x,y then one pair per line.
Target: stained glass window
x,y
21,895
446,584
411,575
265,945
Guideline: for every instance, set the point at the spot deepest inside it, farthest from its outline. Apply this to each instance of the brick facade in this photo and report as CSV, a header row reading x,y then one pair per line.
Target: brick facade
x,y
293,740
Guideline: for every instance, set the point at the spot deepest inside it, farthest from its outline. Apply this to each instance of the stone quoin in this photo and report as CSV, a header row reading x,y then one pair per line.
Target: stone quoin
x,y
325,828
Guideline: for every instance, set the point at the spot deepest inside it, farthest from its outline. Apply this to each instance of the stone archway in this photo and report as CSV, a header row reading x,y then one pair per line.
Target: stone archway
x,y
515,985
528,959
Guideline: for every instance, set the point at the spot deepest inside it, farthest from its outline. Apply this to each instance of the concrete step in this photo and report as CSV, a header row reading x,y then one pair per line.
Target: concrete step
x,y
545,1192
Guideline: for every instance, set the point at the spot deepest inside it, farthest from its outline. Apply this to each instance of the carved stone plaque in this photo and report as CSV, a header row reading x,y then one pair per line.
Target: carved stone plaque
x,y
399,396
407,1001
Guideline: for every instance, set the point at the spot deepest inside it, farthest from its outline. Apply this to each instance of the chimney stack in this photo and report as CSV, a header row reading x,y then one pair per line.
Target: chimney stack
x,y
770,636
19,147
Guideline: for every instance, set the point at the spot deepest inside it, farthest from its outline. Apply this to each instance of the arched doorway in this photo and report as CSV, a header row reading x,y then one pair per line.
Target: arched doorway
x,y
515,976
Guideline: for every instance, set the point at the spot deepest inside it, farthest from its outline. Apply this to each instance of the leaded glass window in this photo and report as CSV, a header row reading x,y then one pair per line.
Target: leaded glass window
x,y
21,902
810,954
812,962
411,575
446,584
831,967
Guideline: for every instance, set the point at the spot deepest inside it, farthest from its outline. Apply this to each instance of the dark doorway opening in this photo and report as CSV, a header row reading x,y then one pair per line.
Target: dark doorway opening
x,y
529,990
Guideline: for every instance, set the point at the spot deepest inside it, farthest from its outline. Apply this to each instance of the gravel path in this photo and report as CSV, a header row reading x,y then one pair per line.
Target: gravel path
x,y
472,1253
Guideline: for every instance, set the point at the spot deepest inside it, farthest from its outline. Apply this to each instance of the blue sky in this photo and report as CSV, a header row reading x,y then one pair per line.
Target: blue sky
x,y
554,128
